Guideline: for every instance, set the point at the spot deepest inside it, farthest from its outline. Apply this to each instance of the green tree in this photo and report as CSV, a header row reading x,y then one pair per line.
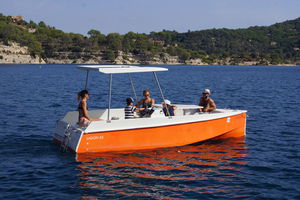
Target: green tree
x,y
114,41
97,38
42,24
110,55
32,24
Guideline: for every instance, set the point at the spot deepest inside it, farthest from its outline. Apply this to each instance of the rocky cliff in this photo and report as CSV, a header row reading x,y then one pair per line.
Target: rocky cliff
x,y
13,53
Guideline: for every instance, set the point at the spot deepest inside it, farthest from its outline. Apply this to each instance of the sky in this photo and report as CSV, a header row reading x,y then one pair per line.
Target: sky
x,y
144,16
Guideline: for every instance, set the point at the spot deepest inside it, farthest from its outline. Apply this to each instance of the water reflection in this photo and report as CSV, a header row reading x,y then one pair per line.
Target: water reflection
x,y
182,172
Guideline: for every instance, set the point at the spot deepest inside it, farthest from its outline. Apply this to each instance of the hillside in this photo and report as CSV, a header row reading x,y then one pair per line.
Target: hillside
x,y
275,44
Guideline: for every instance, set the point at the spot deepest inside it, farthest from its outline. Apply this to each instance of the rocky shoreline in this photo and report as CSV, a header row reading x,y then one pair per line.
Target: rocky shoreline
x,y
13,53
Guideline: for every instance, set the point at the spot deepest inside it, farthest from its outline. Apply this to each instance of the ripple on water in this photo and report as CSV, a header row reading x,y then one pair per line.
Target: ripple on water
x,y
185,170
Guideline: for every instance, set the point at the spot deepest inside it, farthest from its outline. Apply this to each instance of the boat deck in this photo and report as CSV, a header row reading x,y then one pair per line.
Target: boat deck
x,y
184,114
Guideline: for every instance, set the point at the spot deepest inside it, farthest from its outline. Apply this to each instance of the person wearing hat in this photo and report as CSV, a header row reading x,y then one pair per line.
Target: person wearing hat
x,y
130,109
168,107
206,102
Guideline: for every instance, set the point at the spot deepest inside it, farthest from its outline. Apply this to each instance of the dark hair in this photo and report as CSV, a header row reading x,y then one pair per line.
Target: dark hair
x,y
81,94
129,100
147,90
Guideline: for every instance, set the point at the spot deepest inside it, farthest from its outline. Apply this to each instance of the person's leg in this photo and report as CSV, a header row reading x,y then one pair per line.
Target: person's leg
x,y
84,122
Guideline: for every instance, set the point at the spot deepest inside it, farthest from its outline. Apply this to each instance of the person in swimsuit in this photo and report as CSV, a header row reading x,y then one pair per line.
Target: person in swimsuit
x,y
206,102
83,118
146,104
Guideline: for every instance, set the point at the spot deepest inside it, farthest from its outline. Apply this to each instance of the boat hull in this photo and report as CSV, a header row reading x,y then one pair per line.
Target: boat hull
x,y
162,136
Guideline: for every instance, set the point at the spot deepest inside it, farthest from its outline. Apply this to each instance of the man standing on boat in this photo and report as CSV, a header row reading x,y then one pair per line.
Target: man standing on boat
x,y
206,102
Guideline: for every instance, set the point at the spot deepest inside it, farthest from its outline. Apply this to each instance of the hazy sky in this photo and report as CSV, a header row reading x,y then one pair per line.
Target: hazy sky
x,y
144,16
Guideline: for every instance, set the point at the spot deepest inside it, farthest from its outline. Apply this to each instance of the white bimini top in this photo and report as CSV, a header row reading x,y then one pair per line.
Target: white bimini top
x,y
120,69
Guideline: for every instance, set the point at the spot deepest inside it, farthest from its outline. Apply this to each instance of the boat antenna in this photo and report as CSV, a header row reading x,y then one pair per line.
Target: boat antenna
x,y
132,86
161,93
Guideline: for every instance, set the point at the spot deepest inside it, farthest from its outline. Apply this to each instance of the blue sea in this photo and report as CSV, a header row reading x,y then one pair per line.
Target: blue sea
x,y
263,165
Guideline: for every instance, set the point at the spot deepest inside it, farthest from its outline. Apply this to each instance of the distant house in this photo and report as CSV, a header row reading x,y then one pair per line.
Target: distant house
x,y
17,18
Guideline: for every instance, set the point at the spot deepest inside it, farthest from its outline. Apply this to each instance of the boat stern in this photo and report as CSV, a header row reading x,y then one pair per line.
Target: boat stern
x,y
67,135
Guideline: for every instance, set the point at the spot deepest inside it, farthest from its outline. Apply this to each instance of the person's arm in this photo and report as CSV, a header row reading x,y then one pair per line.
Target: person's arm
x,y
135,109
152,102
85,112
201,103
211,106
139,103
174,109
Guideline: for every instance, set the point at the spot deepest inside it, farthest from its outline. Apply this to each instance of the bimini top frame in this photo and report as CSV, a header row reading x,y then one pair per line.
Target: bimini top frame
x,y
122,69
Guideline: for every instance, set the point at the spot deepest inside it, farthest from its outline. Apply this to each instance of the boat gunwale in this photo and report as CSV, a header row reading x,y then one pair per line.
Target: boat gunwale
x,y
166,125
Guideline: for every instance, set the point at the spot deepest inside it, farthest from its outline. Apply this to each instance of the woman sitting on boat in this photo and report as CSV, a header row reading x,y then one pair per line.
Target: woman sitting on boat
x,y
147,104
83,118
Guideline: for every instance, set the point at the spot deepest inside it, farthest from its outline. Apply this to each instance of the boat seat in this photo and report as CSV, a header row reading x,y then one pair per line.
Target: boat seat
x,y
190,111
157,113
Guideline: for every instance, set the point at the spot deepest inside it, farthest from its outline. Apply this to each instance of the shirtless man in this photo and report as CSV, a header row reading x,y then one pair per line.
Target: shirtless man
x,y
207,103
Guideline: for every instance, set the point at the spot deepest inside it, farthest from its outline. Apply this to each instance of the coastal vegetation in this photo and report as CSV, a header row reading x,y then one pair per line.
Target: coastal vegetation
x,y
275,44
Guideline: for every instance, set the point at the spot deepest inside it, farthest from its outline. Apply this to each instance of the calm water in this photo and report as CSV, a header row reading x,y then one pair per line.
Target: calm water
x,y
263,165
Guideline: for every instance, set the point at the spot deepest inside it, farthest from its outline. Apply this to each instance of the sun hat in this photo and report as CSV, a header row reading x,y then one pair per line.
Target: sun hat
x,y
129,100
167,102
206,91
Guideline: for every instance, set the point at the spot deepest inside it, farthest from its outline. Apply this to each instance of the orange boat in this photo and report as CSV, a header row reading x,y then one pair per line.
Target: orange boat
x,y
119,134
